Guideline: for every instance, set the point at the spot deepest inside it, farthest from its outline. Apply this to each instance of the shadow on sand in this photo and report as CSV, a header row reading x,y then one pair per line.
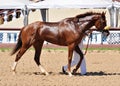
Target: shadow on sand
x,y
101,73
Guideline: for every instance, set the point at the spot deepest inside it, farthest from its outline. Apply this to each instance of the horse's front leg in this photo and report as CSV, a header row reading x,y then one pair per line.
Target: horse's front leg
x,y
70,54
78,50
38,47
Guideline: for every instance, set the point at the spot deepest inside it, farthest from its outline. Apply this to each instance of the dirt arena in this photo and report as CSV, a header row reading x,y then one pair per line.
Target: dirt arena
x,y
103,69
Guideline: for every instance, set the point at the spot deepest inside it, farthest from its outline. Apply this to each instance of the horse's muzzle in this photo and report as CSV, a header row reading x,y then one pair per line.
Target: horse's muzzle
x,y
105,32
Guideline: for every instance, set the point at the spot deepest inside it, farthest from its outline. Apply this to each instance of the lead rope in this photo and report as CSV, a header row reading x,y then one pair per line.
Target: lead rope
x,y
87,44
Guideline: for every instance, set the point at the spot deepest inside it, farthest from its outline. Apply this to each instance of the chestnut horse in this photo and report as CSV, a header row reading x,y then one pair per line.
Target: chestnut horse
x,y
67,32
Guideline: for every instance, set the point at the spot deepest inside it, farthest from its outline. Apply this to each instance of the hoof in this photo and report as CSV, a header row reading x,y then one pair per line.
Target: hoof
x,y
70,74
74,71
45,73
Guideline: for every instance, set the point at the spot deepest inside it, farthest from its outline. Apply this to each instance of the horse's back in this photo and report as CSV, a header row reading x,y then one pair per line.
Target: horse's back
x,y
61,33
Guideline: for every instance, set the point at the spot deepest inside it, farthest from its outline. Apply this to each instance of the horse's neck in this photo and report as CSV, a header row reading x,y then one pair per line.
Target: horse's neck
x,y
87,18
86,23
85,26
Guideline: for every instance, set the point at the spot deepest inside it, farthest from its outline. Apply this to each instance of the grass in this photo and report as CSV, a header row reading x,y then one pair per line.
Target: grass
x,y
4,49
84,48
90,49
118,49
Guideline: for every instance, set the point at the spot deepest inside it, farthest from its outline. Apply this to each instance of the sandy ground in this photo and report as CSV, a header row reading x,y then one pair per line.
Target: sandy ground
x,y
103,69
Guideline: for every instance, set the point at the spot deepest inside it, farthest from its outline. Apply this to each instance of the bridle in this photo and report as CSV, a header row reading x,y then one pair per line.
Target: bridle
x,y
105,28
88,42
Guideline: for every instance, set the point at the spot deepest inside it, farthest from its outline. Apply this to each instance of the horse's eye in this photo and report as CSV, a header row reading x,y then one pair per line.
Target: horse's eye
x,y
104,22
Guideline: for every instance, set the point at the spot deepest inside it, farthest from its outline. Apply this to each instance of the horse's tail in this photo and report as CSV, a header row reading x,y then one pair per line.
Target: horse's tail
x,y
18,45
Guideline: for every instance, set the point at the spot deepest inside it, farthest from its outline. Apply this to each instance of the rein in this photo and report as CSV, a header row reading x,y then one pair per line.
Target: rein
x,y
86,49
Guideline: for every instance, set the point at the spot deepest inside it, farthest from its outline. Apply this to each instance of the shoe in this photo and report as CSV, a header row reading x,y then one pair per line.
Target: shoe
x,y
63,70
84,74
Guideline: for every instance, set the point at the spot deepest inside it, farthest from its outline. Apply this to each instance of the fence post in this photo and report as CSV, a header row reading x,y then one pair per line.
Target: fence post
x,y
114,11
25,13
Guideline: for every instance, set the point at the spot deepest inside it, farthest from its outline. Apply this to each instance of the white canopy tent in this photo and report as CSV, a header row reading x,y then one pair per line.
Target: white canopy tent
x,y
16,4
26,4
70,4
112,6
116,4
11,4
114,13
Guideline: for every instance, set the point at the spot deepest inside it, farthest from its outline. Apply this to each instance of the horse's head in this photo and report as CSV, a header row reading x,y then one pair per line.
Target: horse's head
x,y
96,19
100,24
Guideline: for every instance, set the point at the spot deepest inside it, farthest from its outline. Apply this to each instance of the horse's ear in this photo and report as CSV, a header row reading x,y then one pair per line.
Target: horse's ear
x,y
104,13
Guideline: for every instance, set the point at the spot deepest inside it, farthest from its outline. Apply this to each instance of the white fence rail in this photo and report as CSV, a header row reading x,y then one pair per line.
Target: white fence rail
x,y
8,36
95,38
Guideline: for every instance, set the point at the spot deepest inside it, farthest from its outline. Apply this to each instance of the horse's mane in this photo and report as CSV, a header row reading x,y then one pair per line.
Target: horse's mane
x,y
87,14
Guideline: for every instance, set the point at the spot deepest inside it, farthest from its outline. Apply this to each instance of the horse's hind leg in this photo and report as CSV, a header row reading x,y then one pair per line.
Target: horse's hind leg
x,y
38,46
18,56
70,53
78,50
